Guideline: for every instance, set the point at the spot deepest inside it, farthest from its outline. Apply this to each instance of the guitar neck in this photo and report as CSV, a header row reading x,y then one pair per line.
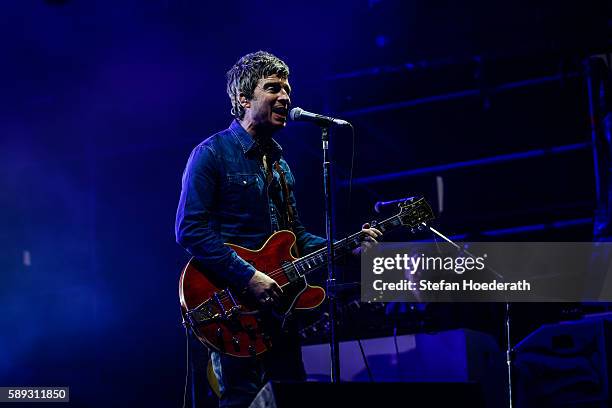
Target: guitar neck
x,y
318,258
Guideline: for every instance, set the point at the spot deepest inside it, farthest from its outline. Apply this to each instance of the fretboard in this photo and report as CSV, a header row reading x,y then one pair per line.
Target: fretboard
x,y
318,258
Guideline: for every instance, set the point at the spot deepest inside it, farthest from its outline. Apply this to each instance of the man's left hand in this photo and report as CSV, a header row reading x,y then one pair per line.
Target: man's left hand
x,y
370,236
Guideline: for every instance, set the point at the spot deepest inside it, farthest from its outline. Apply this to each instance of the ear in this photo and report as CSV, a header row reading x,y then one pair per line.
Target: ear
x,y
244,101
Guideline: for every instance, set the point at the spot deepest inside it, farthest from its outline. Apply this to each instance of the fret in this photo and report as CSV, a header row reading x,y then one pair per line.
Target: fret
x,y
342,247
291,271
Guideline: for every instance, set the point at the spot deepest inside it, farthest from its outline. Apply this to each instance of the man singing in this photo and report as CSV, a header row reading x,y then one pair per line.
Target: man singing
x,y
238,188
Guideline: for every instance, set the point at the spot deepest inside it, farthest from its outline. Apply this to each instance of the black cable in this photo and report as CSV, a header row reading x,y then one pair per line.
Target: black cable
x,y
350,196
350,185
365,361
397,353
349,205
350,182
187,365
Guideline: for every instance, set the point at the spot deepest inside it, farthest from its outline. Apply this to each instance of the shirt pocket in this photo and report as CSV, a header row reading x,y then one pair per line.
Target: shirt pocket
x,y
242,189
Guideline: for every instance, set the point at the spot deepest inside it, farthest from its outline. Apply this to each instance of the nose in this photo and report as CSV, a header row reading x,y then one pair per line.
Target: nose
x,y
284,97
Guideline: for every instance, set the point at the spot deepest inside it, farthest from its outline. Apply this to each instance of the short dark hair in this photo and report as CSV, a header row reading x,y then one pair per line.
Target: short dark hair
x,y
242,78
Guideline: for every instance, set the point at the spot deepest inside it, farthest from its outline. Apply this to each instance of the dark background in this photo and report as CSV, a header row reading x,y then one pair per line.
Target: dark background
x,y
102,101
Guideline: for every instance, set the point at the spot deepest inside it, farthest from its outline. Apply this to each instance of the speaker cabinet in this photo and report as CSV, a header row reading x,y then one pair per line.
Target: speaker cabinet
x,y
453,356
565,364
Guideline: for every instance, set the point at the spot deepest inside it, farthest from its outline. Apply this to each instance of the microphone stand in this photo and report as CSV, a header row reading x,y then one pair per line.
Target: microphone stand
x,y
334,344
509,349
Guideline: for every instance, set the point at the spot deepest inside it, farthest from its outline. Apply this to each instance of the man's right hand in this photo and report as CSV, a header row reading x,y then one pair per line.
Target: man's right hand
x,y
264,288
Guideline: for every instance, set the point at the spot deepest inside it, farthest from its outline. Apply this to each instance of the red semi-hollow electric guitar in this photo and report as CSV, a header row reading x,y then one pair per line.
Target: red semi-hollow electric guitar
x,y
232,323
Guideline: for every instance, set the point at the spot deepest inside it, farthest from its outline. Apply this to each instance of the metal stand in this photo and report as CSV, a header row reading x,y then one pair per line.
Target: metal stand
x,y
509,354
506,316
331,271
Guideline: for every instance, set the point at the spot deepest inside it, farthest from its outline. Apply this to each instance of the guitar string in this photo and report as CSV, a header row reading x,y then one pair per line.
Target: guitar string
x,y
276,273
300,262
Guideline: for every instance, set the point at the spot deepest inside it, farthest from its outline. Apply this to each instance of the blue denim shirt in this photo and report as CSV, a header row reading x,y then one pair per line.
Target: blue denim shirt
x,y
225,198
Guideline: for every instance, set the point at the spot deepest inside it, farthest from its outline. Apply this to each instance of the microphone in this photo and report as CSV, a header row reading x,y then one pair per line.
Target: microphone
x,y
300,115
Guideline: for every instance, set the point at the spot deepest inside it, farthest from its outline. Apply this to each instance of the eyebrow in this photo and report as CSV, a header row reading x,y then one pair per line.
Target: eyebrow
x,y
273,82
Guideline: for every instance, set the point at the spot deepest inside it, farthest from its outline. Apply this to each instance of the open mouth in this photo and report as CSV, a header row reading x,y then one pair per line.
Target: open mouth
x,y
280,110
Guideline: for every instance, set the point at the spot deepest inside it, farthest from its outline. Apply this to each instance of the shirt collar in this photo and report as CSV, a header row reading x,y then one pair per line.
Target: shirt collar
x,y
248,144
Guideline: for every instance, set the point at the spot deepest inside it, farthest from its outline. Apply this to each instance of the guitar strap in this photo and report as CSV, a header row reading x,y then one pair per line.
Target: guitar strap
x,y
289,214
288,208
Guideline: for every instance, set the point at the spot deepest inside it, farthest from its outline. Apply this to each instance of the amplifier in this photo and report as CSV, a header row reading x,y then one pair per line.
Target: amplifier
x,y
565,364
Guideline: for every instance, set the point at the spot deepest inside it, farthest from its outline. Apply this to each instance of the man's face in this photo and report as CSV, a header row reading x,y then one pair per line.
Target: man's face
x,y
270,104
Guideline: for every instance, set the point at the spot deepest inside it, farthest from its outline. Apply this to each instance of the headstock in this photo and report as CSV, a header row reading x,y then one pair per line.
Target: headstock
x,y
415,212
